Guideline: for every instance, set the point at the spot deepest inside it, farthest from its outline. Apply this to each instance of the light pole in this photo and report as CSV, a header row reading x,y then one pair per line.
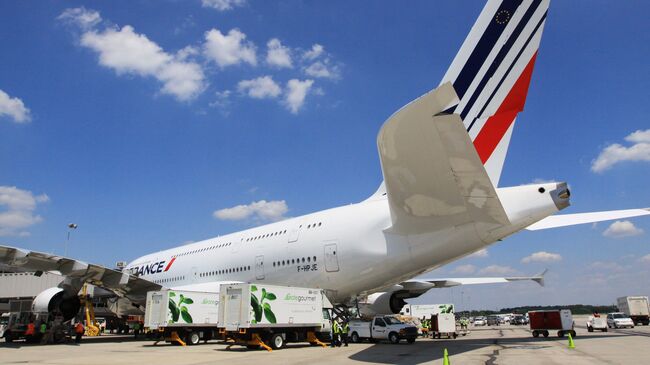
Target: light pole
x,y
71,226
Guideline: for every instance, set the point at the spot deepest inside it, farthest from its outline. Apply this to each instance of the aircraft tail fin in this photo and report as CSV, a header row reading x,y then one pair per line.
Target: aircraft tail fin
x,y
491,74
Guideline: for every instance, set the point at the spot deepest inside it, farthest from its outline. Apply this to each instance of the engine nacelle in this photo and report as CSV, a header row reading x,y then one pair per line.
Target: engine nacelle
x,y
54,300
381,303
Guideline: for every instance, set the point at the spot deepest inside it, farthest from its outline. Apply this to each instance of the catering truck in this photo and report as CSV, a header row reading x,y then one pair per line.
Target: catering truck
x,y
382,328
182,316
426,310
636,308
269,316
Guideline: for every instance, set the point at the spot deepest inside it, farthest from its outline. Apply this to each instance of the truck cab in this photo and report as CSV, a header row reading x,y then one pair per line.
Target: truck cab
x,y
382,328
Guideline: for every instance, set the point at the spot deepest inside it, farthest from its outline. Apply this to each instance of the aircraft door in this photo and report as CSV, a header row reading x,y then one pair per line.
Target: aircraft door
x,y
294,234
259,267
331,258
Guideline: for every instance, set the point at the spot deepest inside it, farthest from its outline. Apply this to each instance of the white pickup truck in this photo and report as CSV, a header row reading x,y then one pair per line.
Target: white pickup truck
x,y
382,328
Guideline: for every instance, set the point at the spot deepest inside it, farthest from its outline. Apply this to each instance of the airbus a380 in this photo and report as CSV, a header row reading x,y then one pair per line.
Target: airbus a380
x,y
441,157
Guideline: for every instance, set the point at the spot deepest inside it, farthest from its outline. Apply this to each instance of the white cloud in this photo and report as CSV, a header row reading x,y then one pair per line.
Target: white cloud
x,y
260,88
542,256
615,153
222,5
497,270
295,94
464,269
222,99
81,17
323,69
645,259
14,108
127,52
315,52
480,253
621,229
231,49
17,210
263,210
278,55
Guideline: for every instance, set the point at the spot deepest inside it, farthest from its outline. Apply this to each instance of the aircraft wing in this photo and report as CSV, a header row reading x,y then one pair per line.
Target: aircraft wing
x,y
121,283
416,287
564,220
434,177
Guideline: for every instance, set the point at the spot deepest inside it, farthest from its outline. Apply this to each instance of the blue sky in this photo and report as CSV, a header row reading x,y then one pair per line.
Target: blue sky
x,y
140,120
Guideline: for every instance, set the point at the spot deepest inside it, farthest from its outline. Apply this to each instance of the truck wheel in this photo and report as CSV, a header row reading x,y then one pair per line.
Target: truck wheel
x,y
590,329
604,330
535,334
192,338
277,341
393,337
410,340
560,334
355,337
573,333
8,338
545,333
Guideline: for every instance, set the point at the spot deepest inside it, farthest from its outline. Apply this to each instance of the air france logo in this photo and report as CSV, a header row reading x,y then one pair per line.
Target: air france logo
x,y
153,268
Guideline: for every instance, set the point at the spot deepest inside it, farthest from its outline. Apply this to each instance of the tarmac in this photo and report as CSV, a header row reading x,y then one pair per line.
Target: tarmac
x,y
503,344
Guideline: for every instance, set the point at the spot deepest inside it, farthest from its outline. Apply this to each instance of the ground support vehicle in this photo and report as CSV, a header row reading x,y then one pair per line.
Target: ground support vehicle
x,y
183,317
619,320
426,310
443,324
637,308
382,328
480,321
541,322
270,316
596,323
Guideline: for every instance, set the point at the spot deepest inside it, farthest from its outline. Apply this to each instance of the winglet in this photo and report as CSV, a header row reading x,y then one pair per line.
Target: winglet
x,y
539,278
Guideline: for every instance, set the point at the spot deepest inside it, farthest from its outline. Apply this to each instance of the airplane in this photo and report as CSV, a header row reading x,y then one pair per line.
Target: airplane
x,y
441,157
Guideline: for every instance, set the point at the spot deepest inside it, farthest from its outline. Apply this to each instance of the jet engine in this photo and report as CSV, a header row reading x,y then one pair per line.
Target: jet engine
x,y
55,301
381,303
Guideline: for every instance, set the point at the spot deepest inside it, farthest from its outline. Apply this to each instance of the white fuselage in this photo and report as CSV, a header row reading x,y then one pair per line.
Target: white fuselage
x,y
348,250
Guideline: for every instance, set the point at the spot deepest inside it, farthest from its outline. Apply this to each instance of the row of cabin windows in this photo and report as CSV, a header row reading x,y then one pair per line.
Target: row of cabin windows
x,y
204,249
293,261
314,225
169,280
266,235
225,271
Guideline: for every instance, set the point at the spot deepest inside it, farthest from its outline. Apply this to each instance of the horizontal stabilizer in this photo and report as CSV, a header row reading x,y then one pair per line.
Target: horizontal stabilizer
x,y
564,220
433,175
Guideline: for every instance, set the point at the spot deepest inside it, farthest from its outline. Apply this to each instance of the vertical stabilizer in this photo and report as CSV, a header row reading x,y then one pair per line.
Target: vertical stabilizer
x,y
491,74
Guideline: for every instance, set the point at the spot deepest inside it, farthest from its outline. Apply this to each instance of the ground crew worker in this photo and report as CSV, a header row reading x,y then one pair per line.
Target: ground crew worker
x,y
79,331
30,332
136,329
344,333
336,330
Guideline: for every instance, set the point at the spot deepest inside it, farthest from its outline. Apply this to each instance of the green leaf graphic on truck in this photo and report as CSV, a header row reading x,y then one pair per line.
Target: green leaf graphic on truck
x,y
178,310
261,307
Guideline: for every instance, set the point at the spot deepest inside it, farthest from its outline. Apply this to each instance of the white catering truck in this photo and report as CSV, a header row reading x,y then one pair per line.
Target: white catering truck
x,y
426,310
269,316
189,316
636,308
382,328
